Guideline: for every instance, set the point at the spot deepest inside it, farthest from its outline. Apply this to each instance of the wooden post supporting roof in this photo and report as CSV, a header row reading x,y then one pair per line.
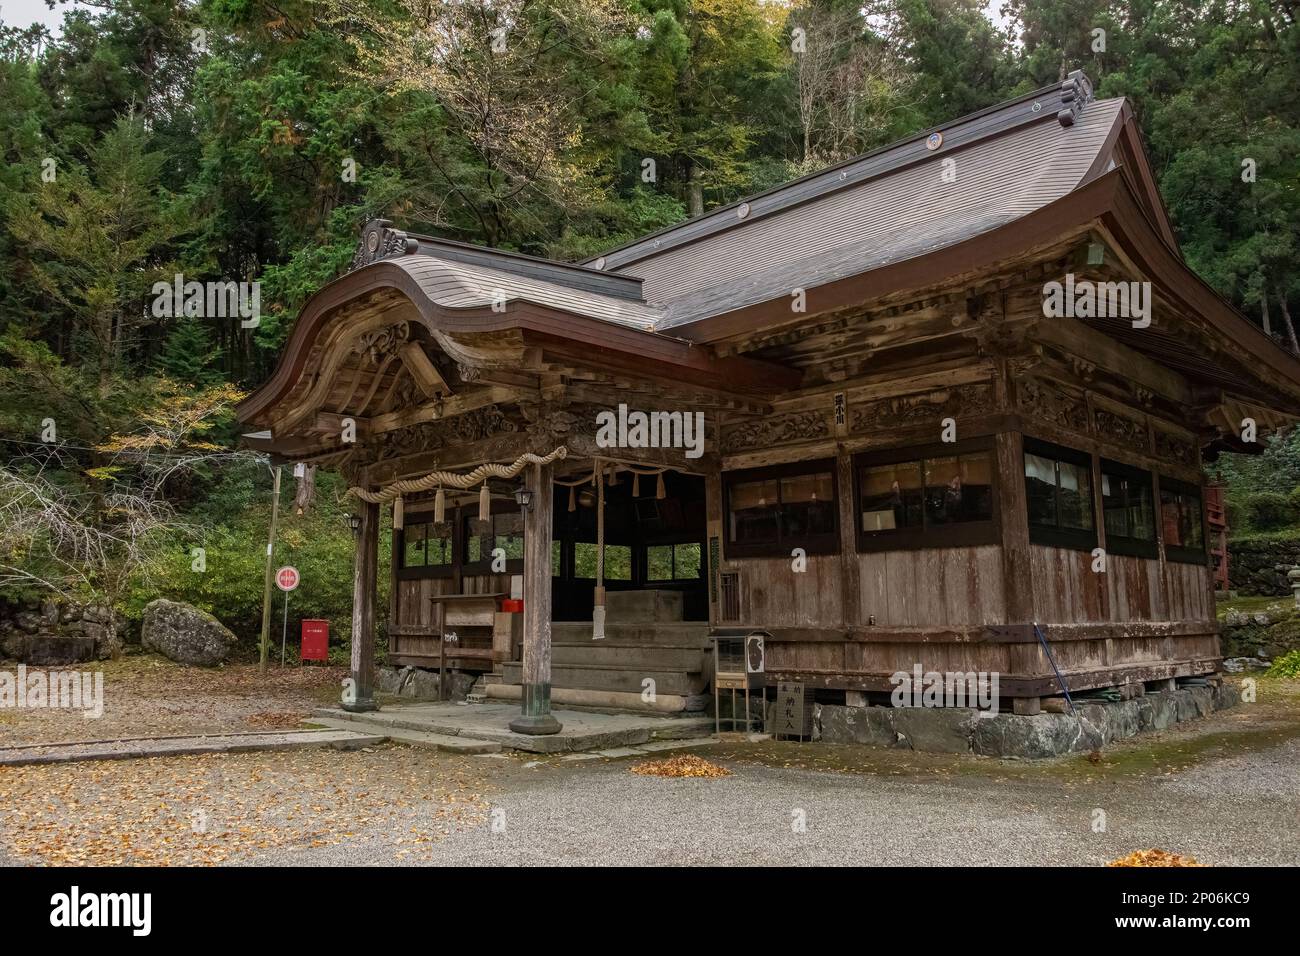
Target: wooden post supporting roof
x,y
363,610
535,717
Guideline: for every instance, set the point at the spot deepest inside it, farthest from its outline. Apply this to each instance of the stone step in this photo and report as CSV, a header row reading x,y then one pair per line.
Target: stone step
x,y
614,678
680,632
687,658
346,738
415,738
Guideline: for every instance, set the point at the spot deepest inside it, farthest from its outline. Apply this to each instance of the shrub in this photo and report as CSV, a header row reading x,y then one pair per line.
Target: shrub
x,y
1269,510
1288,665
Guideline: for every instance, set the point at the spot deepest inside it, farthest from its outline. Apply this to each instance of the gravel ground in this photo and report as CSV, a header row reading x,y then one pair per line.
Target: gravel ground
x,y
597,813
1225,790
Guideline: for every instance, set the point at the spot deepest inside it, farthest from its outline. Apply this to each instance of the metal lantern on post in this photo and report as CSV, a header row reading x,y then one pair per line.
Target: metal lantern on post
x,y
354,522
523,497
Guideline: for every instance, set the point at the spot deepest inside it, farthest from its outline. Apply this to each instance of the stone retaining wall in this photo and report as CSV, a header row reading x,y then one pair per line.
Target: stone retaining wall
x,y
960,730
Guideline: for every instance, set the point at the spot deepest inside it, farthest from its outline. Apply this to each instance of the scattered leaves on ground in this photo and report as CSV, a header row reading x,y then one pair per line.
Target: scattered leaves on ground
x,y
149,696
275,719
223,808
1154,858
682,765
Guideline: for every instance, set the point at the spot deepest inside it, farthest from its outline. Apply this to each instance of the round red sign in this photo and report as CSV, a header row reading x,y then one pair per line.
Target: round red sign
x,y
286,578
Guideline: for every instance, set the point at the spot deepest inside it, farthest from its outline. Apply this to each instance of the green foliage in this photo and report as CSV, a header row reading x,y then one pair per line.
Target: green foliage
x,y
1269,510
258,155
1286,666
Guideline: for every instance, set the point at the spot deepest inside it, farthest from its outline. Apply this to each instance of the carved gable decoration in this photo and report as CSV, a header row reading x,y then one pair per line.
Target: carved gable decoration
x,y
929,408
1175,447
474,426
776,430
380,344
380,241
1049,405
1120,429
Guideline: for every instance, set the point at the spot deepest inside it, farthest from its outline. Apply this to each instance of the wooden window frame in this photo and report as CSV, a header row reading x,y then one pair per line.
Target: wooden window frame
x,y
1175,552
1075,539
965,534
828,543
425,570
484,566
1121,544
672,547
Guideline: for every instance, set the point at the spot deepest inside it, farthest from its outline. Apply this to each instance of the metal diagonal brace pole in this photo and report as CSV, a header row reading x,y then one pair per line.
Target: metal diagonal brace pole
x,y
1042,639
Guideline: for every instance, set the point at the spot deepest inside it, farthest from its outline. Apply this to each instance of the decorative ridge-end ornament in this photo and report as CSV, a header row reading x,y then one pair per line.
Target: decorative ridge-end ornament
x,y
1076,91
380,241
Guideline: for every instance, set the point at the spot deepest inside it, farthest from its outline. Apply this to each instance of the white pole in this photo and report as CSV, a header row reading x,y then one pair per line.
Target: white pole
x,y
284,634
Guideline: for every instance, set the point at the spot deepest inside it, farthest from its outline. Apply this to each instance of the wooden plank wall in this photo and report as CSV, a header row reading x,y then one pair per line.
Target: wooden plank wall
x,y
932,587
413,607
773,594
1068,591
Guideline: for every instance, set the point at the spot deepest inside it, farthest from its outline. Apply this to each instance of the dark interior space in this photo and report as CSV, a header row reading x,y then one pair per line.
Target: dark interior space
x,y
650,542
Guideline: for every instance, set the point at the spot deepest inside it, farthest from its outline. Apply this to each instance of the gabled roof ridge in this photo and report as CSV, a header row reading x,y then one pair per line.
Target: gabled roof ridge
x,y
1061,101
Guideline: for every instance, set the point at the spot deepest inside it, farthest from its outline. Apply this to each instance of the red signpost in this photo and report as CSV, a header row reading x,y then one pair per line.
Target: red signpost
x,y
315,640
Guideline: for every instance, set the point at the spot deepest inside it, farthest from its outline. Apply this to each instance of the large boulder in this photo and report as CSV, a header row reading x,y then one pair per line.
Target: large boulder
x,y
185,634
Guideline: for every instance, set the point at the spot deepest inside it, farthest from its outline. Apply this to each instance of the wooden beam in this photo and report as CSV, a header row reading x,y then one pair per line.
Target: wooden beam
x,y
425,374
446,408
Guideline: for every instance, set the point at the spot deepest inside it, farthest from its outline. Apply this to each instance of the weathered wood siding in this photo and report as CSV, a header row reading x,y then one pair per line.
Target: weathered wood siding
x,y
1068,591
932,587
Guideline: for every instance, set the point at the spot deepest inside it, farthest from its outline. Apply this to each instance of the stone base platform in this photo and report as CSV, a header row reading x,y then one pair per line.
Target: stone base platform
x,y
491,722
1007,735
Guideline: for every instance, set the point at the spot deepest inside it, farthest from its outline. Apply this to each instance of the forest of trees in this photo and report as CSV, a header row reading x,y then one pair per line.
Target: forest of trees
x,y
249,140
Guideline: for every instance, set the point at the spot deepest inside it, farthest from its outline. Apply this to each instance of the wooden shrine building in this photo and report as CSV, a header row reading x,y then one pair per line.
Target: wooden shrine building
x,y
952,391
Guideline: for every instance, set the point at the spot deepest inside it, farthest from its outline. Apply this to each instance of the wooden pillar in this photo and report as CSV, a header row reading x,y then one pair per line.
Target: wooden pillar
x,y
850,569
535,716
1013,518
363,610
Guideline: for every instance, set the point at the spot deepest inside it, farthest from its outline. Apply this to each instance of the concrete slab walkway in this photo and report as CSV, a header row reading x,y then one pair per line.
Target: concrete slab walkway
x,y
491,722
72,751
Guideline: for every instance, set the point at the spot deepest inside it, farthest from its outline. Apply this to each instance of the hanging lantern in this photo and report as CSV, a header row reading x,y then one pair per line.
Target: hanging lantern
x,y
398,514
586,498
440,506
484,503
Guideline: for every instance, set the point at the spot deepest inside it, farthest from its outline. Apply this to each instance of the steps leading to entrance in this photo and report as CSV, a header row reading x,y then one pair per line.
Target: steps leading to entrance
x,y
675,633
673,654
614,677
687,658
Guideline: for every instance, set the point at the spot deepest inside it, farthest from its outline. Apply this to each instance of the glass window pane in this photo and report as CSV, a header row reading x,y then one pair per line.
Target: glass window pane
x,y
1075,496
509,528
439,544
659,562
891,496
807,506
1127,507
686,561
413,536
958,489
754,508
1040,489
618,561
478,540
1180,516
